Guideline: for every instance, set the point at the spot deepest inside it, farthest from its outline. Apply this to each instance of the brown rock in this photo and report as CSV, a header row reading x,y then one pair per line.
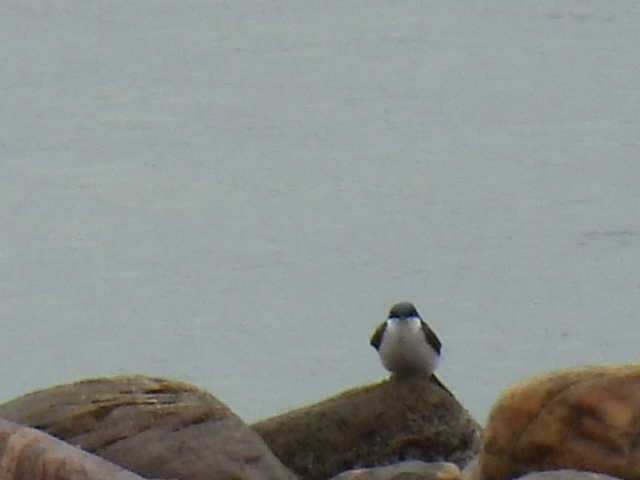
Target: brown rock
x,y
411,470
28,454
377,424
585,418
152,426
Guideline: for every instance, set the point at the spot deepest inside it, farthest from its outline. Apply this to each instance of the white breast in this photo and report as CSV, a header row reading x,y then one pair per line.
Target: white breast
x,y
404,349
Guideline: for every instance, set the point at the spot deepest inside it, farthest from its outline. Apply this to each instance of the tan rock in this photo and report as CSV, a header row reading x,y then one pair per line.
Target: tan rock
x,y
415,470
28,454
378,424
152,426
585,418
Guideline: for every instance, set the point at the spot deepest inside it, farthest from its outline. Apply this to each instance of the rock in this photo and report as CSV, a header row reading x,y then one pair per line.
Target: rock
x,y
567,475
152,426
412,470
28,454
585,418
378,424
471,471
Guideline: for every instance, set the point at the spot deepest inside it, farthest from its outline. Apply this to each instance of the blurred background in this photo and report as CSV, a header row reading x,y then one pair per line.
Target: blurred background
x,y
234,193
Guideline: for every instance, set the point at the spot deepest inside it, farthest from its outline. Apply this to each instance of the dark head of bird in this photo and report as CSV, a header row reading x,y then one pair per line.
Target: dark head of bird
x,y
403,310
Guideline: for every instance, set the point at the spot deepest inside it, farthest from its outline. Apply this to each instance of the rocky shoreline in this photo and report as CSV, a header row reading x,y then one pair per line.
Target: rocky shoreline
x,y
129,427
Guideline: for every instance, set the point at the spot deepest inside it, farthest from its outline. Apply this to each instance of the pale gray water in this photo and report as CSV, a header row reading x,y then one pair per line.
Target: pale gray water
x,y
234,193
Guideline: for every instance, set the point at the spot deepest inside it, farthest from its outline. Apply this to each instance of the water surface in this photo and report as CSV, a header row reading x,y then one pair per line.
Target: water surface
x,y
234,193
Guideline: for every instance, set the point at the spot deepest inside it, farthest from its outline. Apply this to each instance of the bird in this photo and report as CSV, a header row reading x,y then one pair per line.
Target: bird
x,y
405,343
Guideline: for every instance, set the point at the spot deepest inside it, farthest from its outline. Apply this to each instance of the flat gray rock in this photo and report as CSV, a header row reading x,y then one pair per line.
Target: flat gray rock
x,y
567,474
411,470
155,427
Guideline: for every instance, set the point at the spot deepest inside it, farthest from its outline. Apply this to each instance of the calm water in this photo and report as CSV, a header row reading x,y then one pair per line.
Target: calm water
x,y
233,193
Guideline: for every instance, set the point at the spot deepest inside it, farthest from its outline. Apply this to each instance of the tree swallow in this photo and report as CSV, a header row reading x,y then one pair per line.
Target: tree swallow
x,y
406,344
